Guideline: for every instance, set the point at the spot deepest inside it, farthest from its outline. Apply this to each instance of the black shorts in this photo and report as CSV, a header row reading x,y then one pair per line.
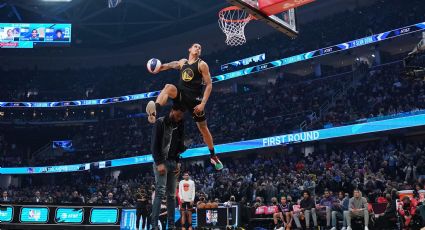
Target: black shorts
x,y
185,206
189,100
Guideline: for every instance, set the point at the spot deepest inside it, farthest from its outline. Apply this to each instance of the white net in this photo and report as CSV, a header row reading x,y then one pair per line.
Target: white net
x,y
232,21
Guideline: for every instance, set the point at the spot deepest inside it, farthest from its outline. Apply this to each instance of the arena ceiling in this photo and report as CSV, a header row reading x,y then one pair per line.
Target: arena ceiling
x,y
133,21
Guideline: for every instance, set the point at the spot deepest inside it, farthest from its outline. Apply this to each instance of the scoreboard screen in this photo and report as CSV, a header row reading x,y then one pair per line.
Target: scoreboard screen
x,y
33,35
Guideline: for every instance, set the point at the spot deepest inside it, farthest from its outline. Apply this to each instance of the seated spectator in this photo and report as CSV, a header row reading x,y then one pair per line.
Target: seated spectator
x,y
307,209
357,207
37,198
75,198
339,206
5,198
110,199
284,213
99,199
258,202
325,206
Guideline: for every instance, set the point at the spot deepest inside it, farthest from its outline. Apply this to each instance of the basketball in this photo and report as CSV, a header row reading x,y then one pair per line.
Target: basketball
x,y
153,65
201,206
208,206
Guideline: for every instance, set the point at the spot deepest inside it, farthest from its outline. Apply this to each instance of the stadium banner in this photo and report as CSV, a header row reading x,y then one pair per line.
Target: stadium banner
x,y
235,74
301,137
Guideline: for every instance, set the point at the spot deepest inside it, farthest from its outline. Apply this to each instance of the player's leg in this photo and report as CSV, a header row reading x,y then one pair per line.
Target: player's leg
x,y
208,139
138,215
288,220
169,91
189,218
282,219
276,216
183,216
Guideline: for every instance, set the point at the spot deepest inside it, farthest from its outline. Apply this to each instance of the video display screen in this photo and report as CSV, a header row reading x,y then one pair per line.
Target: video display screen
x,y
104,216
33,35
65,145
34,215
6,214
69,215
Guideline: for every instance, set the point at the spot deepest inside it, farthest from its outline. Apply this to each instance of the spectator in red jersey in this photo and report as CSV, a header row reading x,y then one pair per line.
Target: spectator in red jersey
x,y
300,166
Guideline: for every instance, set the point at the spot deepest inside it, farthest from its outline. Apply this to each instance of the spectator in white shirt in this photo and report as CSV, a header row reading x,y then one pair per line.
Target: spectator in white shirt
x,y
187,197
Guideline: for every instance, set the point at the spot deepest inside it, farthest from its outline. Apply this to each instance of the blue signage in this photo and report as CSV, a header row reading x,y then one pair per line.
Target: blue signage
x,y
104,216
128,219
34,215
69,215
243,62
315,135
6,213
239,73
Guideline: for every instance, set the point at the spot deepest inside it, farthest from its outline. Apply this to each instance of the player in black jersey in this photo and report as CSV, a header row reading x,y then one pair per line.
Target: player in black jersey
x,y
194,74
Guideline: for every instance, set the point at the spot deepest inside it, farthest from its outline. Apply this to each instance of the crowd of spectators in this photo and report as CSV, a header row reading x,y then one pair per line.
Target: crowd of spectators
x,y
385,92
397,164
375,168
377,92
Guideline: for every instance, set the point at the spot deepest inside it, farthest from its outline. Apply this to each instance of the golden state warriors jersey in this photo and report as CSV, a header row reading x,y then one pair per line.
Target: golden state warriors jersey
x,y
191,77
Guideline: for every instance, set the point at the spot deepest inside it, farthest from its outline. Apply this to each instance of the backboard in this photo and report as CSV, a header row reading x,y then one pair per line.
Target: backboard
x,y
284,22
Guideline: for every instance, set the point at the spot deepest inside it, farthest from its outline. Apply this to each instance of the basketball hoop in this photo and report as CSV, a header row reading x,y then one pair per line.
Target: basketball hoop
x,y
232,21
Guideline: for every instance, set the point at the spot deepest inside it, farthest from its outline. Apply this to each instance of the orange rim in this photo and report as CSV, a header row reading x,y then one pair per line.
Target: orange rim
x,y
230,8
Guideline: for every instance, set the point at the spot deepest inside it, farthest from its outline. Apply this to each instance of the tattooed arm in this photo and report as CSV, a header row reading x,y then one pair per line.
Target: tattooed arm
x,y
172,65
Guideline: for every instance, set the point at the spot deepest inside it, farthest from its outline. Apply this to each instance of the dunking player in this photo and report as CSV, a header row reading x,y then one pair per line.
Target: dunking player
x,y
194,73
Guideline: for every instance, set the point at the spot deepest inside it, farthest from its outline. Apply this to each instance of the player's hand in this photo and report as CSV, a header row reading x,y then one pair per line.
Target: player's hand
x,y
191,203
199,108
161,169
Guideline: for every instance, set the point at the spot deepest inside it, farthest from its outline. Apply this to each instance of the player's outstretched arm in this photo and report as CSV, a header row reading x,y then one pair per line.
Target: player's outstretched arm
x,y
206,77
172,65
